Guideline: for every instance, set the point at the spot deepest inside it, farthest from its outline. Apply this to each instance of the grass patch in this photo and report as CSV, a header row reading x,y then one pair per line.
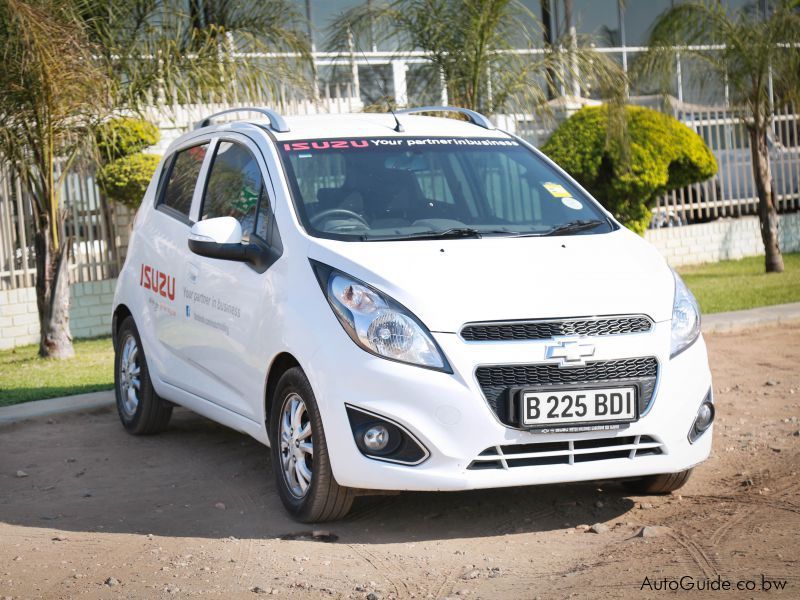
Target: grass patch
x,y
25,377
741,284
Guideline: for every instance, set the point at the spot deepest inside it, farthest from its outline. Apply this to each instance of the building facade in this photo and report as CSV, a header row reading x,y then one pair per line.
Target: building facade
x,y
619,28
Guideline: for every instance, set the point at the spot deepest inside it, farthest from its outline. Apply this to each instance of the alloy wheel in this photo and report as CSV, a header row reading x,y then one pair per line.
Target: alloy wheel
x,y
297,445
129,372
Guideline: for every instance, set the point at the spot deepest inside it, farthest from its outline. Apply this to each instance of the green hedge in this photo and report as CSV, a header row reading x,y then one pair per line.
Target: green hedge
x,y
663,154
126,179
123,136
124,172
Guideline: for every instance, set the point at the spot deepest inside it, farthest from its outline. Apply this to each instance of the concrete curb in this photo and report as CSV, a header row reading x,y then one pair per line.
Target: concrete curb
x,y
754,318
727,322
55,406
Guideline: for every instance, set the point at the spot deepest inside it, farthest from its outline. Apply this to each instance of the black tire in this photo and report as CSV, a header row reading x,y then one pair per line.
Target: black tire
x,y
323,499
654,485
151,414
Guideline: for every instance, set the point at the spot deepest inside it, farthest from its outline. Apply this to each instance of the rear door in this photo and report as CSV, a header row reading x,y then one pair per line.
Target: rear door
x,y
227,304
165,267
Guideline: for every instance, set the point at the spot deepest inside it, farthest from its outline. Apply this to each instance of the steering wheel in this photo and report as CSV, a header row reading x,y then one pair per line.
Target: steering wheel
x,y
338,211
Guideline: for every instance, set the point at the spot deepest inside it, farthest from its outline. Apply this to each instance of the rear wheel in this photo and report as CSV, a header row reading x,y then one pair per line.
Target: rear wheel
x,y
659,484
299,453
140,409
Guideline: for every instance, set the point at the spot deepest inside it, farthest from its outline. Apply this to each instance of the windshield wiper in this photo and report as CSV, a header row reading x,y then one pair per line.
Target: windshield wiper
x,y
563,229
469,232
452,233
574,226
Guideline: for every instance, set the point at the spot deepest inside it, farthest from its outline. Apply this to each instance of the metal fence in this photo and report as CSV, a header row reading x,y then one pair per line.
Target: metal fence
x,y
732,192
89,229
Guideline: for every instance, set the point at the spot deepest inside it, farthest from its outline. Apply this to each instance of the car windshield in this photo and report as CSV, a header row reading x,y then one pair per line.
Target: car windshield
x,y
405,188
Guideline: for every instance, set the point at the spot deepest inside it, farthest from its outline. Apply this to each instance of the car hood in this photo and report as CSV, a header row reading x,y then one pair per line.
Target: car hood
x,y
447,283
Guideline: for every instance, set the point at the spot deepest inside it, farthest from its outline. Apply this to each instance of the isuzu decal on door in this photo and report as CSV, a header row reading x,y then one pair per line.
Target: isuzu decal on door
x,y
159,282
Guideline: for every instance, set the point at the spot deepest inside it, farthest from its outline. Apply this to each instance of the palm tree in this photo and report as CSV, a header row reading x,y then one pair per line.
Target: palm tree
x,y
51,92
157,50
472,45
746,52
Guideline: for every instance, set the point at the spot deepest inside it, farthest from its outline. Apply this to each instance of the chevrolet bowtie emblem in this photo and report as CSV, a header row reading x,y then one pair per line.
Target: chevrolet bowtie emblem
x,y
571,352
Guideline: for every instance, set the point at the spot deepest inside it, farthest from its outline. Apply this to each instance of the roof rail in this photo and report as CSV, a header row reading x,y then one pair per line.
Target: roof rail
x,y
275,120
475,118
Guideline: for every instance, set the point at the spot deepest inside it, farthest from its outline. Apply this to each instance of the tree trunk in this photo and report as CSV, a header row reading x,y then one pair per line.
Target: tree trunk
x,y
767,212
52,295
548,39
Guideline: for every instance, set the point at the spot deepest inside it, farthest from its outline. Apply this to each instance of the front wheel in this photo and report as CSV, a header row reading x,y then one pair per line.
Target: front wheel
x,y
659,484
299,454
140,409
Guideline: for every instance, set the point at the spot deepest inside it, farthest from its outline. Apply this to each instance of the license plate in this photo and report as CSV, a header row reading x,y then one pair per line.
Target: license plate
x,y
547,408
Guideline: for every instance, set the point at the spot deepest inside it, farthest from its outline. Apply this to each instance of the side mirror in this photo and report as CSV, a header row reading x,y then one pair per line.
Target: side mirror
x,y
222,230
220,238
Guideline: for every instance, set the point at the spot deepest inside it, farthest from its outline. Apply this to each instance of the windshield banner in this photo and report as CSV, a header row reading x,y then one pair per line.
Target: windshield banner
x,y
306,145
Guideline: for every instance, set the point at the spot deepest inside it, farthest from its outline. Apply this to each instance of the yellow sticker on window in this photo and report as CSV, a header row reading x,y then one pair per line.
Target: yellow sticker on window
x,y
556,190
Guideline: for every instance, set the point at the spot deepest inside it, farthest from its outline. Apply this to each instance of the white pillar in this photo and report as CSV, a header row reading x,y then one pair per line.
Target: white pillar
x,y
399,69
353,65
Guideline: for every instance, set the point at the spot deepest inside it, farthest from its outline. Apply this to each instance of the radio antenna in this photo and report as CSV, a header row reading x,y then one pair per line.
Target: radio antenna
x,y
398,127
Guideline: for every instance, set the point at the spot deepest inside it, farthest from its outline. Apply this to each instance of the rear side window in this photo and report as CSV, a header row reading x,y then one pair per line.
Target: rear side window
x,y
182,179
235,189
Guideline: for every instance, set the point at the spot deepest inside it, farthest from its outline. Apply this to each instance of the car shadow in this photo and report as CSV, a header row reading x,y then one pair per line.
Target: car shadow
x,y
82,472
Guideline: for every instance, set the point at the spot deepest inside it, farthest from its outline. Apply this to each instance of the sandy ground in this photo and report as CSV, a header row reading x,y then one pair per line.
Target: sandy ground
x,y
193,512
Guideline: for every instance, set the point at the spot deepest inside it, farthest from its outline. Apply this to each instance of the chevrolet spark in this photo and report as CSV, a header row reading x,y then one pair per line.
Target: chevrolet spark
x,y
405,302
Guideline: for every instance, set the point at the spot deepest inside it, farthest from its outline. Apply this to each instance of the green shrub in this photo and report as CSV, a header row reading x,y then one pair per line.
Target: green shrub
x,y
126,179
124,136
663,154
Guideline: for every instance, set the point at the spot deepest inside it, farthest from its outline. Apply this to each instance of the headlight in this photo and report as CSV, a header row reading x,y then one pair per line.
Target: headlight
x,y
685,318
377,323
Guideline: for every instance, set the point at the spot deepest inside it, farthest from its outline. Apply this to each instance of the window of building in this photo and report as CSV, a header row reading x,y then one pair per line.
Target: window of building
x,y
639,18
596,18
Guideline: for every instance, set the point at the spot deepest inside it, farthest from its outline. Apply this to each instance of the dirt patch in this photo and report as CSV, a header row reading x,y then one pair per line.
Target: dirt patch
x,y
194,512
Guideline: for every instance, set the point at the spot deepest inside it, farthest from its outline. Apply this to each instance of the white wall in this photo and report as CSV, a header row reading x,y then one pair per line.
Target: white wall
x,y
19,319
721,240
89,314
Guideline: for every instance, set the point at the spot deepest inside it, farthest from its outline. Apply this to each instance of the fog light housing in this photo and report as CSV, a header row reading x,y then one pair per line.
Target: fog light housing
x,y
376,438
704,418
382,439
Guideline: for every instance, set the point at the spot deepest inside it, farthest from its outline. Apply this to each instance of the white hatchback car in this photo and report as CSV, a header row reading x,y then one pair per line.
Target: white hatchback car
x,y
405,303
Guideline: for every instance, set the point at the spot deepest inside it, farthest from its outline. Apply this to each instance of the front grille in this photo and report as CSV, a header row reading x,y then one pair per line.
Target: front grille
x,y
566,453
497,381
544,330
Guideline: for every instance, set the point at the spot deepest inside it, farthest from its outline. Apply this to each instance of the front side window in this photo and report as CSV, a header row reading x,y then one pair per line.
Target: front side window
x,y
407,188
182,179
236,189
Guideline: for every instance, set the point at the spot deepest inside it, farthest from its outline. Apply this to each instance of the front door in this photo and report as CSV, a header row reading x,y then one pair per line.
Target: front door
x,y
227,301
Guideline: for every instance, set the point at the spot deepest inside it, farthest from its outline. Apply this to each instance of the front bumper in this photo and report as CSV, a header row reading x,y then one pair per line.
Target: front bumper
x,y
449,415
